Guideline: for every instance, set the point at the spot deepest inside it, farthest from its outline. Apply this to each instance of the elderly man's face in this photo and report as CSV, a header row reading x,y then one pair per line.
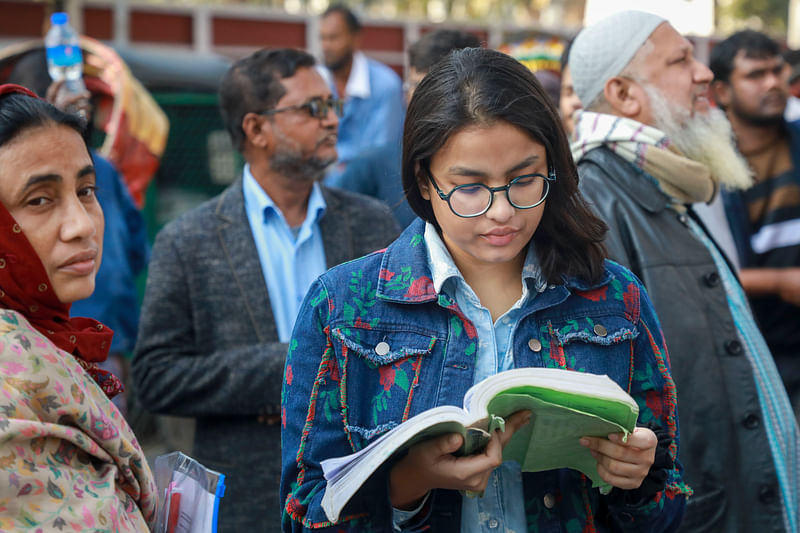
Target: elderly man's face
x,y
671,68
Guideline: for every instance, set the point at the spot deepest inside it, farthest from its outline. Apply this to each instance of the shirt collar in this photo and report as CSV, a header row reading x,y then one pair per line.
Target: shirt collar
x,y
253,192
358,82
444,268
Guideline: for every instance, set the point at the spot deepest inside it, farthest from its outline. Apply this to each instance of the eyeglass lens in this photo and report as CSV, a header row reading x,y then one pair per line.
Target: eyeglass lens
x,y
318,108
523,192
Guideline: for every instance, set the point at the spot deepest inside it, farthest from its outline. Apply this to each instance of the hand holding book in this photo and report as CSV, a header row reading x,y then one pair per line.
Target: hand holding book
x,y
624,464
566,406
431,464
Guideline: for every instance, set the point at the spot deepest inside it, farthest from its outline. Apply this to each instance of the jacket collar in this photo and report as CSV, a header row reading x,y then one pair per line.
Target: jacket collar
x,y
641,186
405,276
238,248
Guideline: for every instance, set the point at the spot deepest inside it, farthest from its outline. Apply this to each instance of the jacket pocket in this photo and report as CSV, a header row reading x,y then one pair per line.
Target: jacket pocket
x,y
381,368
595,344
705,513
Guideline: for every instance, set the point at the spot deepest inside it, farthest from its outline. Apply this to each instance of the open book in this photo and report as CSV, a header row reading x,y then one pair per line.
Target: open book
x,y
566,406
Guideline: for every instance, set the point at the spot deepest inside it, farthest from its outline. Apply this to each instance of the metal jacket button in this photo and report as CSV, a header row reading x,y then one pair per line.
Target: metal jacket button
x,y
382,348
535,345
549,500
600,330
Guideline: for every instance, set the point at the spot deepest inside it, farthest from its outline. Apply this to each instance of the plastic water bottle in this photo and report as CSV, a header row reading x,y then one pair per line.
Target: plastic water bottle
x,y
64,56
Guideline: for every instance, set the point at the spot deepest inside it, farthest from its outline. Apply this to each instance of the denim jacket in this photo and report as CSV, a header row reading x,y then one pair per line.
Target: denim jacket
x,y
340,392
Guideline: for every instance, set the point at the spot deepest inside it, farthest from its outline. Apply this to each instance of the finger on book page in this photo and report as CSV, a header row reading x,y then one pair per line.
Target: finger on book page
x,y
513,423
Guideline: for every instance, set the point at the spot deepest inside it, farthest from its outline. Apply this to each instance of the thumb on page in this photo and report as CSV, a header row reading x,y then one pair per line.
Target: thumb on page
x,y
450,443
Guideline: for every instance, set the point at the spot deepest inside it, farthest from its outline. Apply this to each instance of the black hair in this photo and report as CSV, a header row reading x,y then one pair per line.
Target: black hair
x,y
432,47
20,112
755,45
353,24
477,86
253,84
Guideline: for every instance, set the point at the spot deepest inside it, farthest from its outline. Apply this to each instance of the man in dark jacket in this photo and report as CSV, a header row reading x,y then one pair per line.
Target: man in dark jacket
x,y
648,147
226,279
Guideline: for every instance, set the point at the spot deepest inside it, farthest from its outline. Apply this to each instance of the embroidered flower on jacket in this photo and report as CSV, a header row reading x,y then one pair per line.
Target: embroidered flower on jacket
x,y
421,287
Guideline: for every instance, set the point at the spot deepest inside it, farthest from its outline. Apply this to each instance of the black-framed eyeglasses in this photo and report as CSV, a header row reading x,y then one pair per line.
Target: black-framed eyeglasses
x,y
317,107
474,199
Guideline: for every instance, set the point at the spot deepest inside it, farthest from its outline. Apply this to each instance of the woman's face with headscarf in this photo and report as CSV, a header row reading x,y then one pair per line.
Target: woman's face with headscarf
x,y
47,183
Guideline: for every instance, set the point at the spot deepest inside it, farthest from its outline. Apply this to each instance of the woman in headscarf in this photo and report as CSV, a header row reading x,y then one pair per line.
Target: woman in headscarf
x,y
68,460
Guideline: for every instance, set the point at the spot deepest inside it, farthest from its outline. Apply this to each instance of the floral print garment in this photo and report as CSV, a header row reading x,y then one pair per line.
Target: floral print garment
x,y
376,344
68,460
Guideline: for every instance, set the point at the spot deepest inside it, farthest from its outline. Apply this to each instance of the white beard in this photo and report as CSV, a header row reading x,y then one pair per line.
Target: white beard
x,y
705,138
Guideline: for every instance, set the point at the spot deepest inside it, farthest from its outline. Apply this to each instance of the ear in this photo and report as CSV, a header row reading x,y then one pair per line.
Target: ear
x,y
257,129
624,96
721,92
422,183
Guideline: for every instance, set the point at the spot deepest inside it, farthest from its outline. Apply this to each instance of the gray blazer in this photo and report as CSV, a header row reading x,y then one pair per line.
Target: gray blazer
x,y
208,346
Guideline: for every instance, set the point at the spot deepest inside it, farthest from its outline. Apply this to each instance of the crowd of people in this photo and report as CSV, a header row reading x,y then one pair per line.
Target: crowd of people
x,y
387,246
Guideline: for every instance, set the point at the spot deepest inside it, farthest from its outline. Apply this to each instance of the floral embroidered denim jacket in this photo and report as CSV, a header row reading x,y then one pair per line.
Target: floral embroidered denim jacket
x,y
340,393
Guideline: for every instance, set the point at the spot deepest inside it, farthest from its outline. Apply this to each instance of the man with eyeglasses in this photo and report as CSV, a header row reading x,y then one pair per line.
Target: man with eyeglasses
x,y
226,278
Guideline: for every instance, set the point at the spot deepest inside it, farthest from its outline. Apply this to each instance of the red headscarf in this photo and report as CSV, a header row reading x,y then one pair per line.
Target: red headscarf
x,y
26,288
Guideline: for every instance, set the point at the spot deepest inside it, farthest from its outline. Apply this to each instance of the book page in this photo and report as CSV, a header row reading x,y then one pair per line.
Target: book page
x,y
345,475
551,439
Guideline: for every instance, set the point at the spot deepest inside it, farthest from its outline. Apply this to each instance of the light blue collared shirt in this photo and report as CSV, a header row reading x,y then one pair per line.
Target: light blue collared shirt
x,y
291,258
374,109
502,506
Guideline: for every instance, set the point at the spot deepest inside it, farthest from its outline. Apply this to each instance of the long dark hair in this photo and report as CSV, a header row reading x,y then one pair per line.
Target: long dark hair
x,y
480,86
20,112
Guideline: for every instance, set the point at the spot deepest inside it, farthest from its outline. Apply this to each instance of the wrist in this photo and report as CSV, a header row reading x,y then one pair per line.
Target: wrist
x,y
405,492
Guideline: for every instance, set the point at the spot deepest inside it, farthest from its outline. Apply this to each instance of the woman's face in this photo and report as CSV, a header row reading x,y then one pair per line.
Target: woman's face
x,y
493,155
47,182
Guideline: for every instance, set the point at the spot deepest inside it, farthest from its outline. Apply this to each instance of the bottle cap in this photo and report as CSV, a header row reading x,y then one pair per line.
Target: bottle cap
x,y
59,18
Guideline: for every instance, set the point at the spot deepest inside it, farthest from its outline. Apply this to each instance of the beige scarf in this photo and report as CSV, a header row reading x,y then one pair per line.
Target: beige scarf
x,y
684,180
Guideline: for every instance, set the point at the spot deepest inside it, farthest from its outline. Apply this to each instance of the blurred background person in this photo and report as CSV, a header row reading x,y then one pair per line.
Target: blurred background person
x,y
69,459
372,92
568,102
750,85
430,49
376,172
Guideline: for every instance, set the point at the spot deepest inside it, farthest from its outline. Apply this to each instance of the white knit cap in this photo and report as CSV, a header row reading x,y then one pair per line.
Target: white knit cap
x,y
602,50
